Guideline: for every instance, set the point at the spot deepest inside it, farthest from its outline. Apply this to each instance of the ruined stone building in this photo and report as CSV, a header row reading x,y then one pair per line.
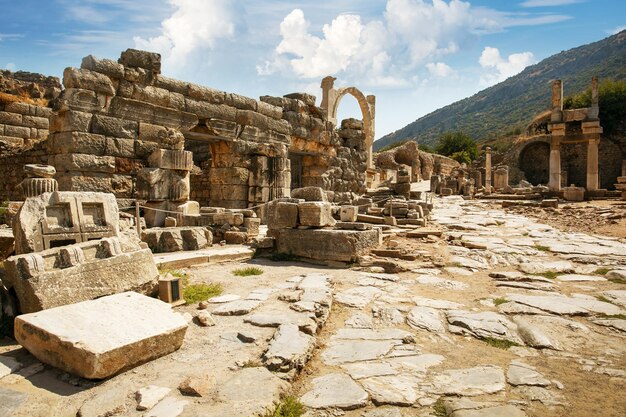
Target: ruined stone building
x,y
564,147
122,127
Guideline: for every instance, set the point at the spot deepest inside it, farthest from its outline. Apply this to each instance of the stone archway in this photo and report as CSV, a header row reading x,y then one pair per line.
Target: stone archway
x,y
331,98
534,162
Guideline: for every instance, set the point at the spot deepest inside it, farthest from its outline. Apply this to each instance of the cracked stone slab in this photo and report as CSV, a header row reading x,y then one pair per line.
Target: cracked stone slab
x,y
360,370
416,363
360,320
10,401
335,391
543,267
533,336
372,334
520,373
358,297
392,390
438,304
289,349
579,278
149,396
471,381
236,308
8,365
225,298
445,284
562,305
303,321
485,324
616,296
345,351
426,318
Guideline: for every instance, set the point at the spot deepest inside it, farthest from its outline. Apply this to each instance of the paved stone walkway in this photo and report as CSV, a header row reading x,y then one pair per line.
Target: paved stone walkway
x,y
517,320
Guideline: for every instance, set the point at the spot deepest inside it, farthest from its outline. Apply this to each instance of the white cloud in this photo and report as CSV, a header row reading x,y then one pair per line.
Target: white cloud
x,y
194,25
547,3
499,68
387,52
10,36
10,66
439,69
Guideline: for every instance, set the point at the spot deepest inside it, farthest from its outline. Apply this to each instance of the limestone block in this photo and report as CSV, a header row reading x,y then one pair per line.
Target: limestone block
x,y
97,339
70,121
206,110
309,194
171,84
235,238
81,100
64,217
122,148
10,118
207,94
163,184
158,96
17,131
252,224
35,122
145,112
84,271
88,80
84,162
147,60
326,244
315,213
170,221
113,126
240,102
348,213
275,112
103,66
77,142
573,193
169,159
18,107
282,215
39,171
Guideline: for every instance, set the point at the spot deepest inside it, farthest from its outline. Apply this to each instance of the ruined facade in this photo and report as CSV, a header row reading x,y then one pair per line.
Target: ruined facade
x,y
122,127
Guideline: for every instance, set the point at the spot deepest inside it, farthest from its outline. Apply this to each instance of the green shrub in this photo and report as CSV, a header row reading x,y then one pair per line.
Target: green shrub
x,y
194,293
288,407
246,272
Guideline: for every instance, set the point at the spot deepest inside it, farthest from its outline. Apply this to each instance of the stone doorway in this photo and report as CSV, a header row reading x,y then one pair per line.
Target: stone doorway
x,y
534,162
296,170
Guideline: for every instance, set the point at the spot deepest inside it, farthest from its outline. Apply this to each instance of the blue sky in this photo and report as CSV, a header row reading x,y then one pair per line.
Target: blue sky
x,y
414,55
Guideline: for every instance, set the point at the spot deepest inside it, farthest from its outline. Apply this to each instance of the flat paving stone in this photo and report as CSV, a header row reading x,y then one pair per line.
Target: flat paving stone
x,y
391,390
438,304
520,373
358,297
345,351
226,298
169,407
236,308
579,278
372,334
335,391
563,305
360,370
426,318
10,401
471,381
8,365
485,324
289,349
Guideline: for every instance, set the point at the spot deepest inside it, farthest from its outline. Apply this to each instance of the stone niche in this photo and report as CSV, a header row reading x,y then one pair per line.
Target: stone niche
x,y
61,218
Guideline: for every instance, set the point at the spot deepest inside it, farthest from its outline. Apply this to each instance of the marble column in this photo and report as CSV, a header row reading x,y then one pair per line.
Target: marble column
x,y
592,165
555,165
488,170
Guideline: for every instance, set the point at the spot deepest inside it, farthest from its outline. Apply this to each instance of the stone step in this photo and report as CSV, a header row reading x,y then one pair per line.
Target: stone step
x,y
216,254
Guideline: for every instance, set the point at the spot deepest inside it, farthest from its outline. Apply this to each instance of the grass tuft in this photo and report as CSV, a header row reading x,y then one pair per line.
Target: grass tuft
x,y
601,271
542,248
603,299
288,407
499,343
548,274
500,300
439,410
613,316
195,293
617,280
246,272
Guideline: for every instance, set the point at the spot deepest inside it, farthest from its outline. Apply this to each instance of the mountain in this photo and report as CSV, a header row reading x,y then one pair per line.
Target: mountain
x,y
514,102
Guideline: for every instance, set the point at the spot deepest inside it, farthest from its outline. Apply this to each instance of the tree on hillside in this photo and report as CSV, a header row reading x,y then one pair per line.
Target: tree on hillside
x,y
612,102
458,146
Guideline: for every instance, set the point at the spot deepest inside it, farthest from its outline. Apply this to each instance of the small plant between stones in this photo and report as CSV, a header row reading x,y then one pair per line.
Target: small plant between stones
x,y
246,272
542,248
499,300
288,407
439,410
601,271
499,343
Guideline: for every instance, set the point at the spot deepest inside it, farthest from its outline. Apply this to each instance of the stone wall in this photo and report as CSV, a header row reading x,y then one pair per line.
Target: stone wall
x,y
11,170
21,124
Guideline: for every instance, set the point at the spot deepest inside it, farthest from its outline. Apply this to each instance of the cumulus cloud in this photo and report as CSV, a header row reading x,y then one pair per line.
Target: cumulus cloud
x,y
194,25
498,68
410,35
439,69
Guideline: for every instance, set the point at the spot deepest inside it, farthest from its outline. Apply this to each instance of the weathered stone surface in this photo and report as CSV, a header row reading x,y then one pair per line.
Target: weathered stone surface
x,y
345,351
107,403
335,391
10,401
349,213
482,325
543,267
579,278
197,386
149,396
426,318
360,370
328,245
88,80
205,318
289,349
8,365
471,381
491,411
520,373
77,277
141,59
393,390
169,407
566,305
174,239
99,338
315,213
282,215
533,336
309,194
251,389
236,308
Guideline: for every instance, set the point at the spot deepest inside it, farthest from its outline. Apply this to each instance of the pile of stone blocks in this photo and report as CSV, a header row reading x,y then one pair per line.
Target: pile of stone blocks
x,y
394,211
307,229
23,124
621,186
573,193
100,338
176,239
69,248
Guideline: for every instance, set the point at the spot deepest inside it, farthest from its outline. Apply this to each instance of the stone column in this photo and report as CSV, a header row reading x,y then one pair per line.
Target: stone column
x,y
488,170
555,164
592,165
557,101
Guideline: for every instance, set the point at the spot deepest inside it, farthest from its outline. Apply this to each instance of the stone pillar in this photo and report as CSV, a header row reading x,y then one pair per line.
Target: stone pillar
x,y
594,111
555,164
592,165
501,177
488,170
557,101
38,180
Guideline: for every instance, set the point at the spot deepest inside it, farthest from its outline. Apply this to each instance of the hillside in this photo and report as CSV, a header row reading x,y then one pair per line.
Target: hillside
x,y
515,101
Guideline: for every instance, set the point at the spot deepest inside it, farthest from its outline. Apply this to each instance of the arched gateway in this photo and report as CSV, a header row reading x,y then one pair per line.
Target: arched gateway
x,y
331,97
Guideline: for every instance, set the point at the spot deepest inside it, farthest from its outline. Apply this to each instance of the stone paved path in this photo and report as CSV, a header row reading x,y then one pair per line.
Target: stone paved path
x,y
517,320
